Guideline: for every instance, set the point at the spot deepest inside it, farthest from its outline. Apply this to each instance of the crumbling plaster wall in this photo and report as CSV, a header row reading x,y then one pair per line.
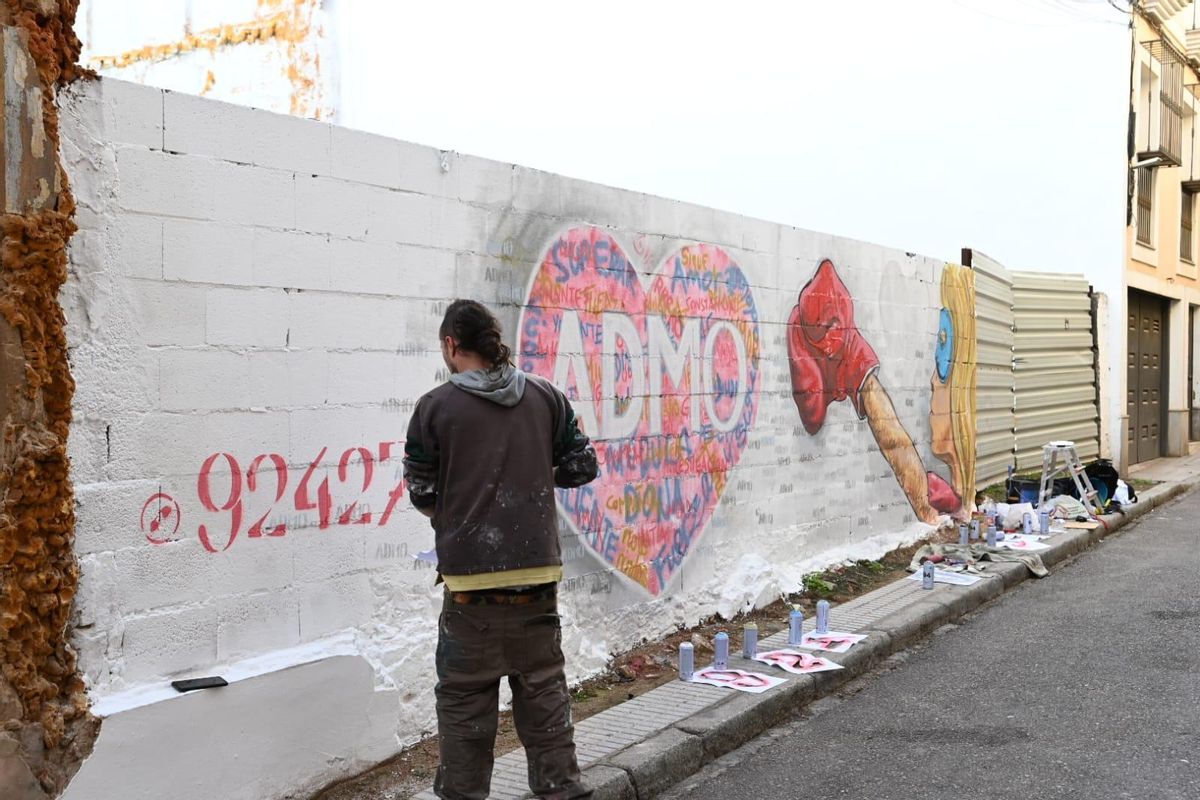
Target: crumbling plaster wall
x,y
45,727
253,308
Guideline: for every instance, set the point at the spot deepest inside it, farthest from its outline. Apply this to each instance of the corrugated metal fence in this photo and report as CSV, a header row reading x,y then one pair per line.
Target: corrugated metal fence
x,y
1036,367
994,420
1054,375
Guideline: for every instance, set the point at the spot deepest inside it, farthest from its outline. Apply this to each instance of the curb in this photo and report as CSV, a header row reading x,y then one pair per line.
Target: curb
x,y
647,768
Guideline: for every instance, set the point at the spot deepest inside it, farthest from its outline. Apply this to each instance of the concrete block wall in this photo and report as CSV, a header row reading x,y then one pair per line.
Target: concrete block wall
x,y
253,309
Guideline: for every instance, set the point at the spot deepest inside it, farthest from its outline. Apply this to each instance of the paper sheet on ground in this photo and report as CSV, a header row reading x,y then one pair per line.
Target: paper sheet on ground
x,y
753,682
833,641
796,662
946,576
1021,541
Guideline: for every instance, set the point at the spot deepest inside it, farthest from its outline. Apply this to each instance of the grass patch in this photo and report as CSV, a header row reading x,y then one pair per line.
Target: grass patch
x,y
817,586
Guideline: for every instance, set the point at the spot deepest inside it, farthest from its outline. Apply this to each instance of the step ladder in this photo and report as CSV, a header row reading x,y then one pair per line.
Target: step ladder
x,y
1060,459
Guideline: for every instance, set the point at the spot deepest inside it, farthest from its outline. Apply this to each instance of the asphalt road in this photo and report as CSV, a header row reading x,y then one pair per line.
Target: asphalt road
x,y
1083,685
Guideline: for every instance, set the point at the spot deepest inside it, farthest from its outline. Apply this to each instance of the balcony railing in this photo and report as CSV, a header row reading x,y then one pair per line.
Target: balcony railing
x,y
1168,144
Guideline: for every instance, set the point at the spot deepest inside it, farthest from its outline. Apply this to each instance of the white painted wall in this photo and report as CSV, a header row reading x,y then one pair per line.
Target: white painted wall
x,y
250,284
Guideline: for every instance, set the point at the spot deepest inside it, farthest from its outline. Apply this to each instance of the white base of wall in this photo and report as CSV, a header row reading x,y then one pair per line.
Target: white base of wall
x,y
285,733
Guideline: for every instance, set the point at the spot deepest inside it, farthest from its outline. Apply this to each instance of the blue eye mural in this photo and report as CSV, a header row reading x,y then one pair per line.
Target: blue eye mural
x,y
944,354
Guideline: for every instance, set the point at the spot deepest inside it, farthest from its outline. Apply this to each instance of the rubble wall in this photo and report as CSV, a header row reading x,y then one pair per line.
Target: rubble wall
x,y
253,310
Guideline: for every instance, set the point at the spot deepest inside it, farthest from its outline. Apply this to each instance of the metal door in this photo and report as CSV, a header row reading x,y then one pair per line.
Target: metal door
x,y
1194,408
1144,376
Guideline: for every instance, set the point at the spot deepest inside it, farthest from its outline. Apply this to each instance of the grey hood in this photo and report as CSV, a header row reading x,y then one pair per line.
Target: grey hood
x,y
503,386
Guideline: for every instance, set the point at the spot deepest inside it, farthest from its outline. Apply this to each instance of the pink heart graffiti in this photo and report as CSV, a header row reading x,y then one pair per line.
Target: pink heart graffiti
x,y
664,380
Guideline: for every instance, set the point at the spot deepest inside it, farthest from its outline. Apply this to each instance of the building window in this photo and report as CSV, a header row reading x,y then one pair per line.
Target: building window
x,y
1187,206
1145,205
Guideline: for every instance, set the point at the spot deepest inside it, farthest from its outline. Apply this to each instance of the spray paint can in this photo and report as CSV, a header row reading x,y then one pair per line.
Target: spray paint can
x,y
822,616
975,529
927,575
991,536
721,648
1027,522
1044,522
795,626
964,533
750,640
687,661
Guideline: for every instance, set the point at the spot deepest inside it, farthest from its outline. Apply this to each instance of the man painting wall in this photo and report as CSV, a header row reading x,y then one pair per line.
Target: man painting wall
x,y
482,457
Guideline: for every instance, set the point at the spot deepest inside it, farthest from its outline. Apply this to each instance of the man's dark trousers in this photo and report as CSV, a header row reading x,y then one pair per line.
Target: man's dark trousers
x,y
478,644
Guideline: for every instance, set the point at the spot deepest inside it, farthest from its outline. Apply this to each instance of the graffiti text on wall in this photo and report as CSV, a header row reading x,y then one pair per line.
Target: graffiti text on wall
x,y
664,379
252,497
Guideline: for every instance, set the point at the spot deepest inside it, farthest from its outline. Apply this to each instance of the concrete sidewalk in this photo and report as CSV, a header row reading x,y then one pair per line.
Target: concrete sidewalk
x,y
642,747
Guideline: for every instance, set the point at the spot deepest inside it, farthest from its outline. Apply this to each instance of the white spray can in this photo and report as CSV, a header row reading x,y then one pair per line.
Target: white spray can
x,y
795,626
687,661
927,575
750,640
721,650
822,616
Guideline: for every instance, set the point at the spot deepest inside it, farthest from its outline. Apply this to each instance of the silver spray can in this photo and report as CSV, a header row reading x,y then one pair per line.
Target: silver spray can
x,y
750,640
822,616
1027,522
964,533
687,661
721,648
1044,522
975,529
991,536
927,575
795,626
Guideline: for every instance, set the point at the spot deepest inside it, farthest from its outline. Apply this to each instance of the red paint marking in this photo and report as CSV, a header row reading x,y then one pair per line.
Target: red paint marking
x,y
233,504
280,485
305,497
385,453
324,502
368,463
163,513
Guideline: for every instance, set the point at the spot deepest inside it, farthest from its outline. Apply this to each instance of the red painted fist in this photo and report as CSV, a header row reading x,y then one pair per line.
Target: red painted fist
x,y
829,358
942,495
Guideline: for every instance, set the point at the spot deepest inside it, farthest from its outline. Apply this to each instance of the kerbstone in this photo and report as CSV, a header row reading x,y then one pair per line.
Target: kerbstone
x,y
660,761
609,783
736,720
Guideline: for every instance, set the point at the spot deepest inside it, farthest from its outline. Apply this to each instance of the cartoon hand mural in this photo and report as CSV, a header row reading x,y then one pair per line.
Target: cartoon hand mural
x,y
830,361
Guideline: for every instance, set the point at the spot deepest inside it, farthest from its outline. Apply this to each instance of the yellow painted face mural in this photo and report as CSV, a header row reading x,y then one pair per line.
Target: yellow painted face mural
x,y
830,360
953,384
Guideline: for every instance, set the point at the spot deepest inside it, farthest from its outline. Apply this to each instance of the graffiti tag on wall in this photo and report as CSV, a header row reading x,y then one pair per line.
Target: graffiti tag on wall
x,y
665,380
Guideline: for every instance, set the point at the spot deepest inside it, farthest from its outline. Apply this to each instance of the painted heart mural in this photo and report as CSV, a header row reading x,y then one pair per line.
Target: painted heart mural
x,y
663,375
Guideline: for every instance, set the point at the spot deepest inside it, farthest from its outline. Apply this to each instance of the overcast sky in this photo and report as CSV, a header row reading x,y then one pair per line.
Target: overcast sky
x,y
926,125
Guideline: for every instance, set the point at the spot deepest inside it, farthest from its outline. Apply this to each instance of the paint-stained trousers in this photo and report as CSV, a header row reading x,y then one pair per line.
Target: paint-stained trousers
x,y
478,645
